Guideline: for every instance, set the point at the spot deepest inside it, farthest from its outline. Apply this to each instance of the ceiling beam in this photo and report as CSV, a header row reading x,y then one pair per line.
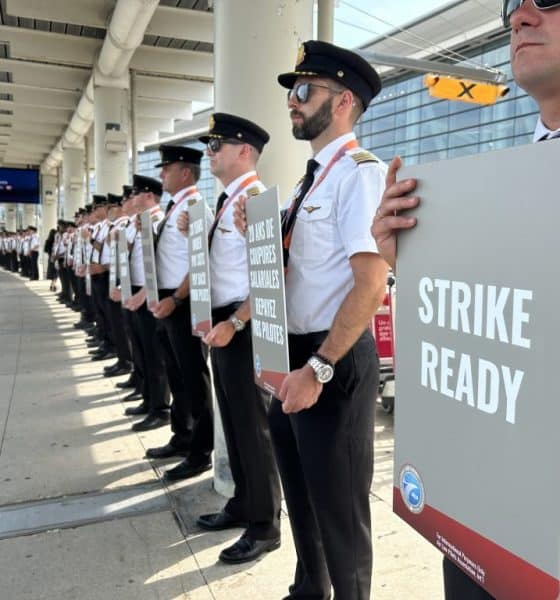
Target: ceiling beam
x,y
45,75
163,88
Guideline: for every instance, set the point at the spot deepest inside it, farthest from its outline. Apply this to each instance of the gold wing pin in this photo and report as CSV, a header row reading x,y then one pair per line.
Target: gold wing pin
x,y
224,230
310,209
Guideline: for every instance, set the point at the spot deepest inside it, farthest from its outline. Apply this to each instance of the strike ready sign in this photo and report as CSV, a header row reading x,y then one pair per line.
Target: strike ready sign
x,y
477,330
266,284
200,299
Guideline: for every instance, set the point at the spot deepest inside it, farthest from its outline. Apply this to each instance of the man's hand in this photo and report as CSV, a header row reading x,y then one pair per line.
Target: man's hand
x,y
387,221
115,295
95,269
239,215
163,308
300,390
183,221
138,223
86,234
220,335
136,301
81,271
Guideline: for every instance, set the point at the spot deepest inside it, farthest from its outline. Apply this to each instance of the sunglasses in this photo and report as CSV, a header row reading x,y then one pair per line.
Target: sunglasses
x,y
215,144
509,6
302,91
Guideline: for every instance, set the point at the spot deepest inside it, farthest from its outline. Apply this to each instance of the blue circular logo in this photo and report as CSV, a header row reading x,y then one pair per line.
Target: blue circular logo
x,y
194,320
258,365
412,489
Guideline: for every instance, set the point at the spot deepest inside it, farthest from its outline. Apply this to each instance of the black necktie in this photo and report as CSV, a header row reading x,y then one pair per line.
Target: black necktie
x,y
219,204
549,136
289,221
169,206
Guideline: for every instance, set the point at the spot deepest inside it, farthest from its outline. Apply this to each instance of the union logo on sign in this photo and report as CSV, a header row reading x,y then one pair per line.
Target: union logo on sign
x,y
412,489
258,365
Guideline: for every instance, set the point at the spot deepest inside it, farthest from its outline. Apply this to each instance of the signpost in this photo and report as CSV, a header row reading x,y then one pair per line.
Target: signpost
x,y
266,283
477,329
200,298
152,296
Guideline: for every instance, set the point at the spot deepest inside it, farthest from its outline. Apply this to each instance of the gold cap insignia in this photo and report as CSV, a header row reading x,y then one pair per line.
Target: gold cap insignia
x,y
239,135
211,122
340,73
300,55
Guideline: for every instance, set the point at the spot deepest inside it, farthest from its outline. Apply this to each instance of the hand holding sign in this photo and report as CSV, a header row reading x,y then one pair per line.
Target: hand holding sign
x,y
240,216
300,390
220,335
183,223
387,221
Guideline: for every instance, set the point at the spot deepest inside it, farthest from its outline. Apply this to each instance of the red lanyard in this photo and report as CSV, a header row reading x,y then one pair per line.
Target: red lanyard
x,y
242,185
339,154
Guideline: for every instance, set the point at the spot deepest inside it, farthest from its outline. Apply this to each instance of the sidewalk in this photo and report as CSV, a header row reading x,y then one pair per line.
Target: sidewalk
x,y
84,516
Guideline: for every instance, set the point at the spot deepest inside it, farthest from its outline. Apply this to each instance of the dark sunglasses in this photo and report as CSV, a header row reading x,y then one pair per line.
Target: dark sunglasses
x,y
215,144
302,91
509,6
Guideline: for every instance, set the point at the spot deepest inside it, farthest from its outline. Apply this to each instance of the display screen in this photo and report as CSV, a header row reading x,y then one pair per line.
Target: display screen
x,y
19,185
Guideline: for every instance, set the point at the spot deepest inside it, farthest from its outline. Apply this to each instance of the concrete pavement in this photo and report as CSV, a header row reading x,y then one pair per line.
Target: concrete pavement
x,y
83,514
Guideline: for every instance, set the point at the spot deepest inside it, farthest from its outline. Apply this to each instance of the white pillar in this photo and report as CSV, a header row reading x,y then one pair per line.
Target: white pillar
x,y
11,216
325,20
111,137
254,41
29,215
73,174
245,70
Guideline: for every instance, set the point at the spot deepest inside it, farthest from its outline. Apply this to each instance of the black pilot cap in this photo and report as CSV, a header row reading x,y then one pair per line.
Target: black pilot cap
x,y
321,59
170,154
142,184
225,126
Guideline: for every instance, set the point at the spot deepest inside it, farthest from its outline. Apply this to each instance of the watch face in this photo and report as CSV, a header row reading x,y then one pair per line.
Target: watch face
x,y
324,373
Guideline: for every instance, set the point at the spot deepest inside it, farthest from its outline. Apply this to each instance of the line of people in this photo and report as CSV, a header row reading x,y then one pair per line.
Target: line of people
x,y
19,252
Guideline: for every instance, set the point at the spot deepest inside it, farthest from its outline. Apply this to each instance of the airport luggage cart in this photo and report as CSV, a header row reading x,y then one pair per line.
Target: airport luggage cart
x,y
383,327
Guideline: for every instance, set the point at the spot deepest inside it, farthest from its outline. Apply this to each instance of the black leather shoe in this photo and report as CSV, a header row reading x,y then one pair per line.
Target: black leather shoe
x,y
187,469
246,549
141,409
166,451
80,325
219,521
129,383
112,367
134,395
120,370
104,356
100,350
151,422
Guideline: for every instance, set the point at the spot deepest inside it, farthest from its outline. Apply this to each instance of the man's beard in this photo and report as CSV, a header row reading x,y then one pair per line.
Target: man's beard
x,y
313,126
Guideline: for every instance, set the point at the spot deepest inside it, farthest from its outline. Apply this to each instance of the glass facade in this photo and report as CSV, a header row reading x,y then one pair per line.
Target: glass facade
x,y
405,120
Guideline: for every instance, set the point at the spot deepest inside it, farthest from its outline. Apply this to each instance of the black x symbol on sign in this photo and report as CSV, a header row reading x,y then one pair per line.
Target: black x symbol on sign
x,y
466,89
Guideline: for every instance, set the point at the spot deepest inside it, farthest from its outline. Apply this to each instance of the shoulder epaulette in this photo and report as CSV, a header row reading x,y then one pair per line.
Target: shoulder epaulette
x,y
363,156
253,191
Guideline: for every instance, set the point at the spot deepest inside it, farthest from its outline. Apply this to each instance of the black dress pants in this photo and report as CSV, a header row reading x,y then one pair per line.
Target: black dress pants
x,y
243,408
34,265
120,338
325,457
459,586
185,358
135,350
156,389
100,291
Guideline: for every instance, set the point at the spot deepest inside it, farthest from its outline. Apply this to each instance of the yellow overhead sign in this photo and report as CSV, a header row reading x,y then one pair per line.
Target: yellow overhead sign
x,y
464,90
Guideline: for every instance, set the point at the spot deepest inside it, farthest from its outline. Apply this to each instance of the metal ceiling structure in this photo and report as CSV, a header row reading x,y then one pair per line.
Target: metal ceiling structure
x,y
48,51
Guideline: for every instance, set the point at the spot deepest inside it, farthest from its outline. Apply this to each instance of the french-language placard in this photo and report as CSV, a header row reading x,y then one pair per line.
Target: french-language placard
x,y
113,262
266,285
477,329
124,268
152,296
201,304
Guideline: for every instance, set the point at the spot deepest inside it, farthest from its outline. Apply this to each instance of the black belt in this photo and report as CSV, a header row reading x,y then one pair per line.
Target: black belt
x,y
313,338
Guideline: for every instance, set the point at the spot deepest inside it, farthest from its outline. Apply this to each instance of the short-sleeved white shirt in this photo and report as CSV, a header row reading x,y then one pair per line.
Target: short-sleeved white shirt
x,y
333,224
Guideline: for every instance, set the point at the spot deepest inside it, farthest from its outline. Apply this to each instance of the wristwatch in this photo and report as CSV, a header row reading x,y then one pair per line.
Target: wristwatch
x,y
177,301
323,368
238,324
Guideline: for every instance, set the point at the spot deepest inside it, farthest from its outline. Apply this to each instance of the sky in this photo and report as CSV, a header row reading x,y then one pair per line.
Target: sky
x,y
355,24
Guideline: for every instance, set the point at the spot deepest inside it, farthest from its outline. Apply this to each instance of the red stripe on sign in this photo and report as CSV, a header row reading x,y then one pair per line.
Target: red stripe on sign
x,y
501,573
270,381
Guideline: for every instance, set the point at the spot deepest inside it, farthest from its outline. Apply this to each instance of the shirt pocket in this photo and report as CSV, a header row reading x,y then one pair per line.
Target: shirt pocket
x,y
316,230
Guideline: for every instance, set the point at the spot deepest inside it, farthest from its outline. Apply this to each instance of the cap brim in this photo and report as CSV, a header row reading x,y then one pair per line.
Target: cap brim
x,y
288,80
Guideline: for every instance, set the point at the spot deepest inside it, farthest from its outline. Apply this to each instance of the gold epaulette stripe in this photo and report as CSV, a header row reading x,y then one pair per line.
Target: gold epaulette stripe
x,y
253,191
363,157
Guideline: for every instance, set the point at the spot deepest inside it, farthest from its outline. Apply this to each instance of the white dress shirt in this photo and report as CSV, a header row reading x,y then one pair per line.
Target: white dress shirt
x,y
332,225
229,274
542,130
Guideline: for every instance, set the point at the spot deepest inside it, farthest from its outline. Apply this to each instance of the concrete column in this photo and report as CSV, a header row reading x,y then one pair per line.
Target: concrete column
x,y
111,141
73,174
245,69
49,201
11,216
325,20
29,215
